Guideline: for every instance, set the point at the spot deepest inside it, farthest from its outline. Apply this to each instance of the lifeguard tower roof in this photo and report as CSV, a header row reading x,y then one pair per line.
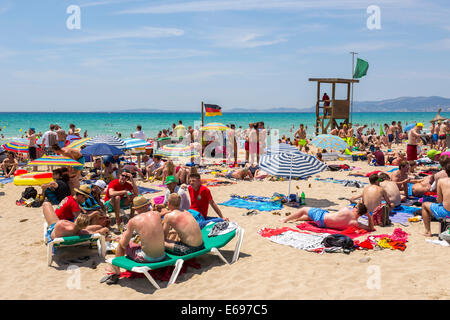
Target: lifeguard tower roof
x,y
334,80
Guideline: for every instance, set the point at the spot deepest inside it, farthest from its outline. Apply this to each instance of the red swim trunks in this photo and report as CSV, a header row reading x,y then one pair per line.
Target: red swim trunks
x,y
411,152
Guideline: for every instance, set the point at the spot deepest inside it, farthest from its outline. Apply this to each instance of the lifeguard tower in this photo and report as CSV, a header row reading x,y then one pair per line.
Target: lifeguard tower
x,y
332,109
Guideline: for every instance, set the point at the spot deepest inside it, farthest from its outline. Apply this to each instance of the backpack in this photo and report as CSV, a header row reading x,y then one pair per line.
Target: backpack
x,y
338,240
29,193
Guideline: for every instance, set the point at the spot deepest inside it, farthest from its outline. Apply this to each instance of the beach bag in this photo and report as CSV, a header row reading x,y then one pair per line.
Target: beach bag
x,y
338,240
381,217
29,193
334,167
445,225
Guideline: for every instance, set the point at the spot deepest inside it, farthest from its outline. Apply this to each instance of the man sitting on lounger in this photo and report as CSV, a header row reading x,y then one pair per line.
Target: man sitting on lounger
x,y
341,220
120,193
147,224
441,209
9,165
66,228
186,227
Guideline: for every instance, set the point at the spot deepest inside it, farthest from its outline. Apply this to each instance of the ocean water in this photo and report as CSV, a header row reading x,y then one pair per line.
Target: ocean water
x,y
13,125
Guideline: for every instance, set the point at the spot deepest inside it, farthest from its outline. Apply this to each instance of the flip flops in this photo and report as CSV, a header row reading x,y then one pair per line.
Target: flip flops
x,y
112,278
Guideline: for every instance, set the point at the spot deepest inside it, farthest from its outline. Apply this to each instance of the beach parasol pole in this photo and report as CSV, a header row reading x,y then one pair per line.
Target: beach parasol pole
x,y
201,142
290,177
353,70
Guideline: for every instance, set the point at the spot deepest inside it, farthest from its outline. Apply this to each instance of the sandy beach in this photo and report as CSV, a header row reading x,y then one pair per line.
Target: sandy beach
x,y
265,270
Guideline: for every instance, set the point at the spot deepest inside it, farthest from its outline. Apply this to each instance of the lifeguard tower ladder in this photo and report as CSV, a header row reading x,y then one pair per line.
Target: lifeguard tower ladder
x,y
337,110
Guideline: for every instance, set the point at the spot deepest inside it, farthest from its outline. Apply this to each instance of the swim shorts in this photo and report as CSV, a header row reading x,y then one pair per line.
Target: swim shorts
x,y
438,211
317,215
391,137
48,235
181,249
411,152
134,252
110,208
435,137
410,189
442,137
302,142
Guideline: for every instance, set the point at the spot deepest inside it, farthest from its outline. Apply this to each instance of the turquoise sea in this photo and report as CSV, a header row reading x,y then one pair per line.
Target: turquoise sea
x,y
12,123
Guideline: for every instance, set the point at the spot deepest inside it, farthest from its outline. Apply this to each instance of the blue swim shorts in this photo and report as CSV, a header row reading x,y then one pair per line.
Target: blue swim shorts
x,y
438,211
48,235
317,215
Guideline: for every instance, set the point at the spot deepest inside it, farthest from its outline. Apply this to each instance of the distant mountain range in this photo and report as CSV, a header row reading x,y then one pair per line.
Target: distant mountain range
x,y
403,104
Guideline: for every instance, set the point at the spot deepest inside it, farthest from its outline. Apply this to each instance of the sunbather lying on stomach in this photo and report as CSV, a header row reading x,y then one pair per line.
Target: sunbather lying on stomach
x,y
239,174
81,226
341,220
185,225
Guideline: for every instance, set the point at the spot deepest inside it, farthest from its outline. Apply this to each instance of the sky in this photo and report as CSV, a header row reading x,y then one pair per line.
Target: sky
x,y
173,54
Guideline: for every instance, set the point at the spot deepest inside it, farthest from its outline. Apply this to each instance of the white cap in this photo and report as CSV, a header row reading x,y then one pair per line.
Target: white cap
x,y
100,183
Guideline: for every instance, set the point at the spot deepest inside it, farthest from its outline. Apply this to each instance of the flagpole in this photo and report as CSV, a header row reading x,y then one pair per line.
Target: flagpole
x,y
353,70
201,142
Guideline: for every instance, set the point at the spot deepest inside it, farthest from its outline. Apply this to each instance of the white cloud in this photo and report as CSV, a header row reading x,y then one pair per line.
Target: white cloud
x,y
244,40
142,33
106,2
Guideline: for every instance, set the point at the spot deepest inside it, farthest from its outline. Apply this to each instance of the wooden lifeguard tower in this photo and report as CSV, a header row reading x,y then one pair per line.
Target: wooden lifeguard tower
x,y
336,110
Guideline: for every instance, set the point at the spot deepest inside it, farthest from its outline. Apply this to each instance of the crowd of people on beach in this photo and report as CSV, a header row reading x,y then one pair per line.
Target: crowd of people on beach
x,y
79,199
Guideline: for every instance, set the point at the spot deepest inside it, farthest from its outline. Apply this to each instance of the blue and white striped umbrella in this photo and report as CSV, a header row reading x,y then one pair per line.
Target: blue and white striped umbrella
x,y
112,141
136,143
283,148
291,165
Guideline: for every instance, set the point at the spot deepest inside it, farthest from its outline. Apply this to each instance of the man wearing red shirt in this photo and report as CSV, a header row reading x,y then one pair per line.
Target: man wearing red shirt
x,y
120,193
69,207
201,197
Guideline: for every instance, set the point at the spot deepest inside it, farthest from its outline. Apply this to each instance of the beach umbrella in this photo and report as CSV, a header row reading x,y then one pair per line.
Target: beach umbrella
x,y
136,143
113,141
409,127
282,148
214,126
101,149
438,117
291,165
16,147
176,150
55,161
78,143
72,138
329,141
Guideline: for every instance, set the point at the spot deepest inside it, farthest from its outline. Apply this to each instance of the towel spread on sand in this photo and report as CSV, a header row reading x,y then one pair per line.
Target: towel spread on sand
x,y
351,232
6,180
144,190
345,183
256,205
294,238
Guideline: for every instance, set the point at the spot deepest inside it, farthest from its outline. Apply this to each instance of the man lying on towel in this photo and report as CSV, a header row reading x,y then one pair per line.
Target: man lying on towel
x,y
186,227
441,209
341,220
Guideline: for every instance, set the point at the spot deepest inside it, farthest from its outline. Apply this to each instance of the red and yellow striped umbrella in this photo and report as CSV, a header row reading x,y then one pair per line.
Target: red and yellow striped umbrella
x,y
214,126
16,147
55,161
79,143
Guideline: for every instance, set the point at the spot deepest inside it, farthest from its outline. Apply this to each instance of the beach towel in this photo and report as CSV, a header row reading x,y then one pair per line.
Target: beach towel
x,y
144,190
222,228
257,205
345,183
294,238
352,232
6,180
158,200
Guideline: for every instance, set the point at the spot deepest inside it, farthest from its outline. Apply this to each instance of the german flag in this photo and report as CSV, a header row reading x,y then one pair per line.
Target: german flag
x,y
212,110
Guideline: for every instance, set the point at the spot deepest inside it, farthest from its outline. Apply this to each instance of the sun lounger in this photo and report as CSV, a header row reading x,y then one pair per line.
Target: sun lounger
x,y
74,241
212,245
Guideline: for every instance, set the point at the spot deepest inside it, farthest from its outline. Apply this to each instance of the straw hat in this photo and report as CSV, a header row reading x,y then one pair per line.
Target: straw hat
x,y
77,130
140,202
84,190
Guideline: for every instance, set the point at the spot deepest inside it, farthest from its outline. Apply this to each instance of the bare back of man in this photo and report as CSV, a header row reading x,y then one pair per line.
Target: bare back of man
x,y
186,227
148,226
71,153
392,191
372,197
344,218
419,189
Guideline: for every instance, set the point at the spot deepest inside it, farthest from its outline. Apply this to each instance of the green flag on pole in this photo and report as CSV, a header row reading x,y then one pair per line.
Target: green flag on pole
x,y
361,68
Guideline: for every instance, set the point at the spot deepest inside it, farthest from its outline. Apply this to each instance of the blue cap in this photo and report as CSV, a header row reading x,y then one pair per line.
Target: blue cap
x,y
33,129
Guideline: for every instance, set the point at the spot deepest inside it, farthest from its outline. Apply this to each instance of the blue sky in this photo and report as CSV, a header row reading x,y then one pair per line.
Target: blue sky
x,y
174,54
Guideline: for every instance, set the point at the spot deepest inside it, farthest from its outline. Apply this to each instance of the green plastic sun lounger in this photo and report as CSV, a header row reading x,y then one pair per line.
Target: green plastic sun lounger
x,y
74,241
212,245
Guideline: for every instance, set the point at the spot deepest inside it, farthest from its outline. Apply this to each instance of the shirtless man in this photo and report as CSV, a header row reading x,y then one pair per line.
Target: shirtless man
x,y
74,172
343,131
239,174
66,228
391,189
301,135
401,177
441,209
341,220
334,132
185,225
147,224
360,134
420,187
373,195
441,174
9,165
442,131
413,140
